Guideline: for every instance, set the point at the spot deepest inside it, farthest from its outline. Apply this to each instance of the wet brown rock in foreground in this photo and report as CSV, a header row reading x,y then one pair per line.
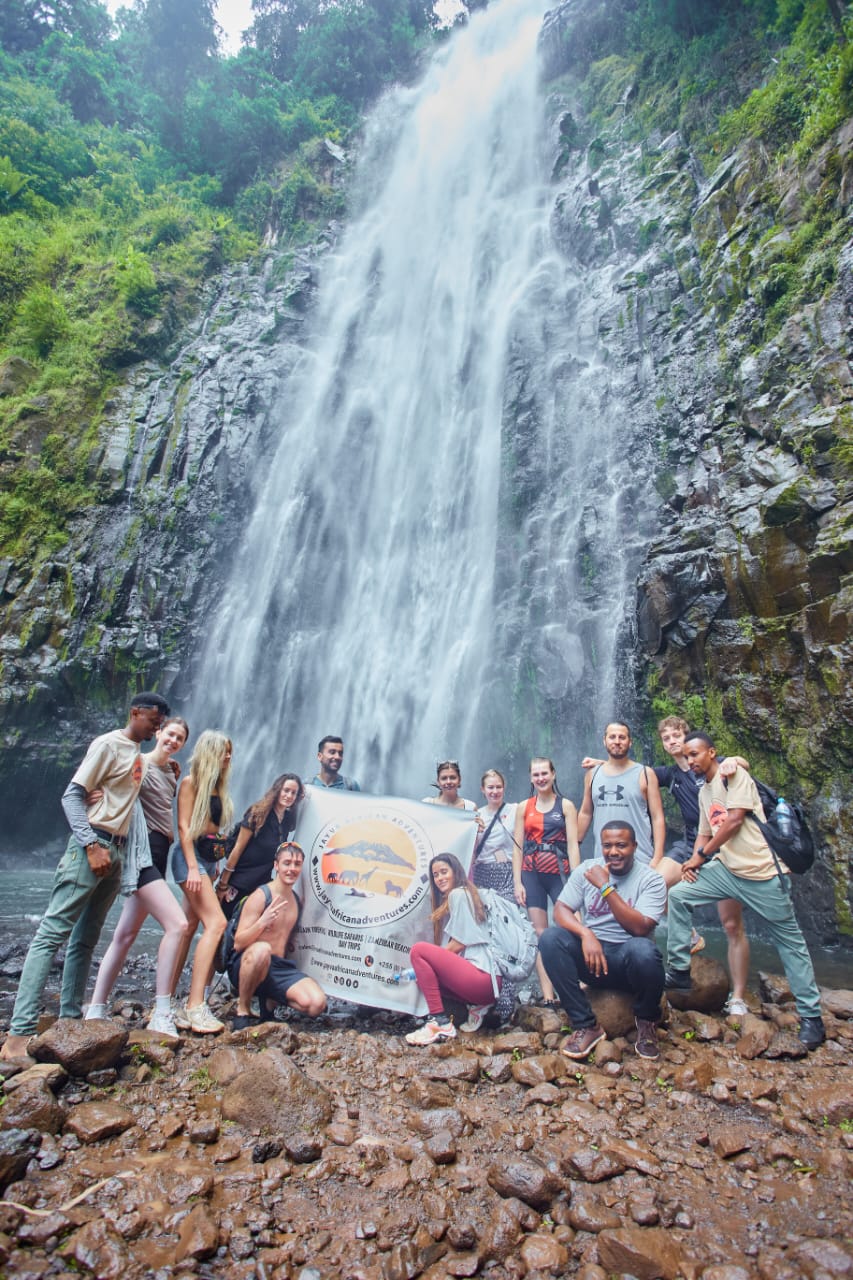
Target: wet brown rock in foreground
x,y
345,1159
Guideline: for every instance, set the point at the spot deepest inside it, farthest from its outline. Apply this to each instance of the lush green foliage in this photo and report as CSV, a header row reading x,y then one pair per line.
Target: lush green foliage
x,y
134,159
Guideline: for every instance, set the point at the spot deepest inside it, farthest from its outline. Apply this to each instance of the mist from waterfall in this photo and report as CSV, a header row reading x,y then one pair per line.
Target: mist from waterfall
x,y
438,560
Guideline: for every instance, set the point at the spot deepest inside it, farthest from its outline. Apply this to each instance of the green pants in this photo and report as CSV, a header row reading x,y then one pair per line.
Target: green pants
x,y
769,899
78,907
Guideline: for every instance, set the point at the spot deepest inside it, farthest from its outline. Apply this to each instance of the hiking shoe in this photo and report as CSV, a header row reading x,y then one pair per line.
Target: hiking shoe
x,y
811,1033
179,1014
202,1020
697,942
432,1031
163,1024
476,1014
242,1021
647,1039
735,1008
677,980
581,1043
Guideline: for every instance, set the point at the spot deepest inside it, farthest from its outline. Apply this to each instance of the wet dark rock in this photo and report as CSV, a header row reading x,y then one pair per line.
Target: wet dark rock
x,y
501,1234
710,987
547,1095
457,1066
81,1046
17,1148
526,1180
820,1258
543,1254
38,1231
613,1011
199,1234
785,1044
833,1102
32,1105
592,1166
756,1035
774,988
428,1123
729,1140
588,1212
98,1249
441,1147
94,1121
839,1003
429,1094
302,1149
205,1131
650,1254
271,1093
539,1069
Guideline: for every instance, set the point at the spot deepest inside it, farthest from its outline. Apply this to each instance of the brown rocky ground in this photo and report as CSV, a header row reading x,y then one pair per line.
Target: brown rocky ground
x,y
332,1149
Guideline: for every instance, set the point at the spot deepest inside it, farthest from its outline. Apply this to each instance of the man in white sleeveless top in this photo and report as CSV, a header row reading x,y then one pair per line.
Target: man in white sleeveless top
x,y
623,790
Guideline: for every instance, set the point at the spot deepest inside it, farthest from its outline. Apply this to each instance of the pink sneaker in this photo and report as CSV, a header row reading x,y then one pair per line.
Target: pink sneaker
x,y
432,1031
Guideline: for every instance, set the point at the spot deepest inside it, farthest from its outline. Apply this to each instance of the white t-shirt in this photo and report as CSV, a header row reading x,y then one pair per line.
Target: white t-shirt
x,y
462,927
500,843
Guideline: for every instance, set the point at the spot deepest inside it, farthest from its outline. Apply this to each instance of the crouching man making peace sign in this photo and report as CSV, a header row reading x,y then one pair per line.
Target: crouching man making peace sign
x,y
258,965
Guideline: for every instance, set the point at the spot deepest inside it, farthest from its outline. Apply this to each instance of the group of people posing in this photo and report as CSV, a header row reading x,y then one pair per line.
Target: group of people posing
x,y
119,805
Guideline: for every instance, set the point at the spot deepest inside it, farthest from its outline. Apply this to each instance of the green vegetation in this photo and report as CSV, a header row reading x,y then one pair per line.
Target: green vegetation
x,y
134,161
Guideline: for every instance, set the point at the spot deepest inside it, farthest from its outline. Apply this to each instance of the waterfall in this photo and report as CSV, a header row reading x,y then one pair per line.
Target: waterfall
x,y
438,558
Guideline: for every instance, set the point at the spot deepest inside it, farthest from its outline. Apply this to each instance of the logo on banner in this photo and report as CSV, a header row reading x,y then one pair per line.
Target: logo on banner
x,y
372,870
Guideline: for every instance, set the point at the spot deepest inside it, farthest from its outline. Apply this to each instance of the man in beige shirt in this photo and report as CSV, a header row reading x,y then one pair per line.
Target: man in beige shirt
x,y
89,874
731,859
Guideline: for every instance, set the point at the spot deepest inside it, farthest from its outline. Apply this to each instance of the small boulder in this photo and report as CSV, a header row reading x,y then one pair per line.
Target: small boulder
x,y
613,1011
647,1253
709,990
81,1046
272,1095
588,1212
94,1121
199,1234
526,1180
17,1149
32,1106
543,1254
540,1069
839,1003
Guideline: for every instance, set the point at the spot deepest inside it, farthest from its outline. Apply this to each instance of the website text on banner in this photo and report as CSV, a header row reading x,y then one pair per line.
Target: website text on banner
x,y
365,890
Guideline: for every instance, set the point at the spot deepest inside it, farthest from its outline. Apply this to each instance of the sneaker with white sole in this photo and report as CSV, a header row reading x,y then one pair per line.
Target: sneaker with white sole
x,y
163,1024
476,1014
735,1008
179,1014
202,1020
432,1031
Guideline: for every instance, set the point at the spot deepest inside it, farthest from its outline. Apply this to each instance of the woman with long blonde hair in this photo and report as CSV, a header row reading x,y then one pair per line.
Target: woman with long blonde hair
x,y
205,814
459,962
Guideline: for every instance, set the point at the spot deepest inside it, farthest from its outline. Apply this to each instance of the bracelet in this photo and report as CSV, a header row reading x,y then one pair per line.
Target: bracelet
x,y
608,888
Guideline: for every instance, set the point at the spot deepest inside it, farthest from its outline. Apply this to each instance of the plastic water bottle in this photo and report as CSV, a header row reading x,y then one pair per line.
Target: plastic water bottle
x,y
784,817
407,975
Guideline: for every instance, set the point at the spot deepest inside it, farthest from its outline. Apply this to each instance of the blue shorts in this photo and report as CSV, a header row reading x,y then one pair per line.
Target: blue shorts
x,y
680,851
180,870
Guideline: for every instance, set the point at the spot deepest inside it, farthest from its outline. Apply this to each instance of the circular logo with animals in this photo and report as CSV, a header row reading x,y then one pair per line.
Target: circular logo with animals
x,y
371,871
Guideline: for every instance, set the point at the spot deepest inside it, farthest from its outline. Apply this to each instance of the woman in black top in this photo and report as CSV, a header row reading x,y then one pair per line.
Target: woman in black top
x,y
266,824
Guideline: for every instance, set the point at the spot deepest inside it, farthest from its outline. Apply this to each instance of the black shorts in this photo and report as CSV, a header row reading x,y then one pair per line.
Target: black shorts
x,y
680,851
159,858
541,886
282,975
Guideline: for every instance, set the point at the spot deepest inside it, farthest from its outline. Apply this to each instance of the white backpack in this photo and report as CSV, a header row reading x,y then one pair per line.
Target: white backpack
x,y
512,940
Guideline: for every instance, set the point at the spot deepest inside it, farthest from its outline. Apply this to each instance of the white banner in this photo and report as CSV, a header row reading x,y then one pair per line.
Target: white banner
x,y
365,890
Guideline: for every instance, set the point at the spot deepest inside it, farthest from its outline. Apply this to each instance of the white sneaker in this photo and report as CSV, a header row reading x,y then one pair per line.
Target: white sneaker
x,y
476,1014
163,1023
735,1008
96,1011
432,1031
202,1020
179,1015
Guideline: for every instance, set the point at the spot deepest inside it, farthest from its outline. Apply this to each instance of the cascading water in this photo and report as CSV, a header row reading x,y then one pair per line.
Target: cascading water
x,y
438,559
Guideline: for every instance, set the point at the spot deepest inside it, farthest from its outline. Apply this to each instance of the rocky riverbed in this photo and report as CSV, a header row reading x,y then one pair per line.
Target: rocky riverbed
x,y
332,1149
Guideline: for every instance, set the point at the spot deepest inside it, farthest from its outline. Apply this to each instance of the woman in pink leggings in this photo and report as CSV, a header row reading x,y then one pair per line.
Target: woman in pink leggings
x,y
459,963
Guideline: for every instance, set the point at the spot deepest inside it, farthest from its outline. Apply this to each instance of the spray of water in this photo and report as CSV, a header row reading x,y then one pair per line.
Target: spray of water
x,y
418,574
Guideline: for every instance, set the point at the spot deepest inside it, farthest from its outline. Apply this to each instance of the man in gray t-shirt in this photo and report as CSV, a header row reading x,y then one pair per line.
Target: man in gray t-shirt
x,y
622,903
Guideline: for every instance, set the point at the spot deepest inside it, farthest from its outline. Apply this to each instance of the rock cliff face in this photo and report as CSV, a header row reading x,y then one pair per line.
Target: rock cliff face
x,y
743,594
744,597
123,606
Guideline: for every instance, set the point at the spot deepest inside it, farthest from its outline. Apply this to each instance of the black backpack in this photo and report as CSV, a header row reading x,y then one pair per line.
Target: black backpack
x,y
225,950
796,850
